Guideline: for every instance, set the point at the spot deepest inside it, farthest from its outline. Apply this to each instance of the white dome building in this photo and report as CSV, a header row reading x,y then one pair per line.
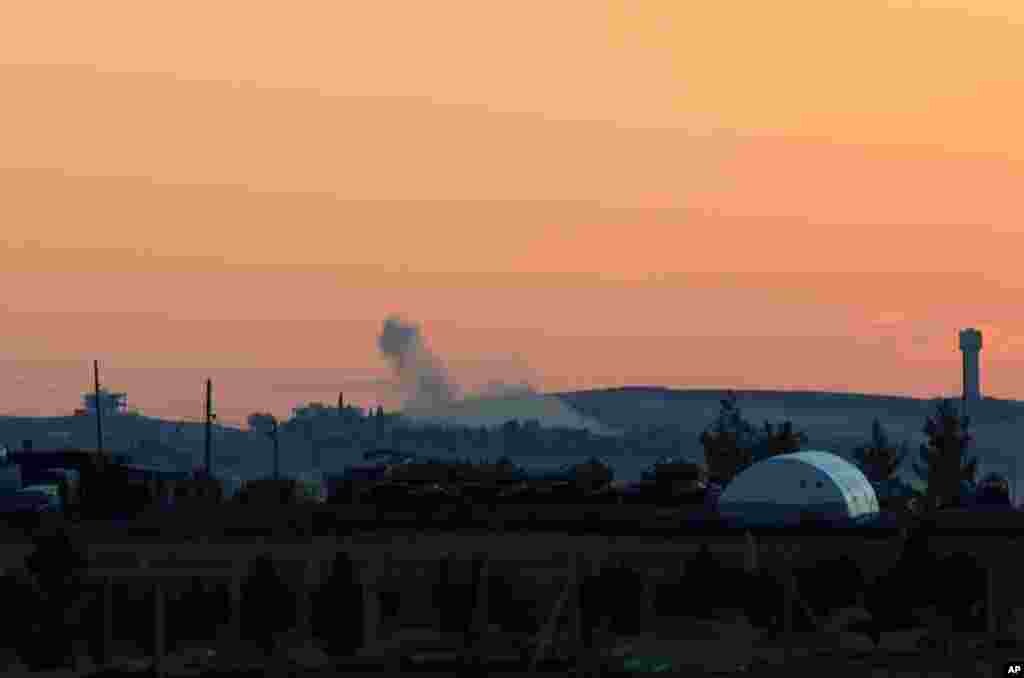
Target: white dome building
x,y
784,488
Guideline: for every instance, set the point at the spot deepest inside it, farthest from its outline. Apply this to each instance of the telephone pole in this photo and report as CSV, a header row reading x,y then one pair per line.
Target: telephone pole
x,y
277,451
209,427
99,410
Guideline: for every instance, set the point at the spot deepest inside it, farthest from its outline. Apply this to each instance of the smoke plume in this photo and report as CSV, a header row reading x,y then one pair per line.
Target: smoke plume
x,y
495,388
432,395
421,374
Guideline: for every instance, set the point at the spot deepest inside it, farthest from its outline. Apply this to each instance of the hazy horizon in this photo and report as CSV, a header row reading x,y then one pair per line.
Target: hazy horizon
x,y
49,389
579,194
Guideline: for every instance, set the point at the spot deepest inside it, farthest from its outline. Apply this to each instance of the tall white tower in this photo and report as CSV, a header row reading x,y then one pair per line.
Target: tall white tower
x,y
970,346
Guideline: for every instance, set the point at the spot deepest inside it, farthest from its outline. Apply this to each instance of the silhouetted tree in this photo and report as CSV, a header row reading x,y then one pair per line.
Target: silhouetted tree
x,y
266,424
728,443
880,459
964,602
509,608
678,481
454,600
337,614
17,594
700,571
892,598
268,606
762,597
616,593
831,584
945,465
781,440
197,613
510,430
55,570
260,422
593,474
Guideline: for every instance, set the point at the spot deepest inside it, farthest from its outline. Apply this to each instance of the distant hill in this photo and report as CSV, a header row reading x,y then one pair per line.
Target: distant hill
x,y
148,440
837,422
548,410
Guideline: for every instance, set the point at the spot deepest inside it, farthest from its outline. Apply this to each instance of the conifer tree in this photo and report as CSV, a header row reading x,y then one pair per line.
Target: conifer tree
x,y
338,608
727,444
781,440
267,605
55,572
880,459
945,465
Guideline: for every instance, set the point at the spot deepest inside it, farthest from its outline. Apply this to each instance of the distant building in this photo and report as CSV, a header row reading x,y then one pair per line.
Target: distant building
x,y
970,346
310,410
788,488
110,402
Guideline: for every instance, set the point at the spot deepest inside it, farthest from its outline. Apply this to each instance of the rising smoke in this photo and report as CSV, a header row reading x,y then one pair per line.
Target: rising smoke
x,y
431,394
421,374
499,389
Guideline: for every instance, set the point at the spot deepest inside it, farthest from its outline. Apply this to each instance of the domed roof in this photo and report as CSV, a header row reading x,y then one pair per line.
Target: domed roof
x,y
784,487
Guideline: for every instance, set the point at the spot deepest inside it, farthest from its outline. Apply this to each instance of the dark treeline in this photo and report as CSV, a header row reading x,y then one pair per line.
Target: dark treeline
x,y
59,609
433,467
731,444
350,429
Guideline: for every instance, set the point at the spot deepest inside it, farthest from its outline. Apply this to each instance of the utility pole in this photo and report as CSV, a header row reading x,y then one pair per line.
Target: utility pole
x,y
99,410
277,454
314,446
209,427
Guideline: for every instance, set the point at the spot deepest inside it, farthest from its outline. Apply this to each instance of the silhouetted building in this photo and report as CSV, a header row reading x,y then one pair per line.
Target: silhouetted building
x,y
970,346
110,402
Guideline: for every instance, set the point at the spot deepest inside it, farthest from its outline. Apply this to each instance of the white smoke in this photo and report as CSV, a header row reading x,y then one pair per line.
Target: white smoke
x,y
422,376
495,388
430,393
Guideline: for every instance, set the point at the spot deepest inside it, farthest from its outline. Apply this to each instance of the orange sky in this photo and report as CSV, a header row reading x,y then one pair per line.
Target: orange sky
x,y
553,185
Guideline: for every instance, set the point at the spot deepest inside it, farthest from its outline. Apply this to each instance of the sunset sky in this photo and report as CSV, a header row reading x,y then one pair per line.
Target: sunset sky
x,y
582,193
